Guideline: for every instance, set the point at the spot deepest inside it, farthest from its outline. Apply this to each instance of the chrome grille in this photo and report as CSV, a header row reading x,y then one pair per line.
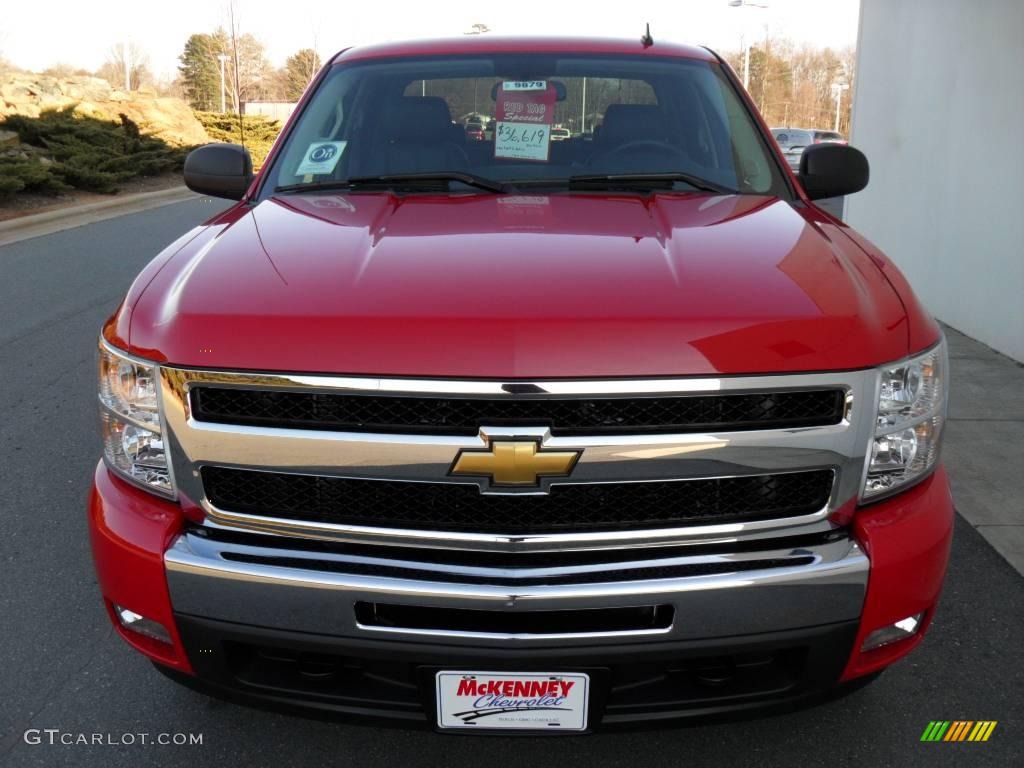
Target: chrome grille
x,y
411,414
460,507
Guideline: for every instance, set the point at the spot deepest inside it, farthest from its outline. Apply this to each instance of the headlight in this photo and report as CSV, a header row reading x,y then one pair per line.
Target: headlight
x,y
133,444
910,414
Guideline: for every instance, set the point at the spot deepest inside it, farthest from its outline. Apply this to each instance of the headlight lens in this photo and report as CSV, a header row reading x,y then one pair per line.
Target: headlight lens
x,y
908,422
128,387
133,444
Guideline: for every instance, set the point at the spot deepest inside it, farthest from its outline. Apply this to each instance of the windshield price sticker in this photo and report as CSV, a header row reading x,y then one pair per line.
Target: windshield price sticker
x,y
525,111
522,142
525,85
321,157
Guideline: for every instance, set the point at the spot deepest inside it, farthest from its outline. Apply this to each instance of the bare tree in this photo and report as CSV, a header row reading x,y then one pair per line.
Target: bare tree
x,y
248,73
5,65
793,84
127,67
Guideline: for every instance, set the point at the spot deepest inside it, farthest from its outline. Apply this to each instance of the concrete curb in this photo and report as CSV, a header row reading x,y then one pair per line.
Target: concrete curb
x,y
982,449
26,227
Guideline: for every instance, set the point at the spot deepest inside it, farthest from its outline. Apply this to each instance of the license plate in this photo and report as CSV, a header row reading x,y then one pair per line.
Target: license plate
x,y
513,700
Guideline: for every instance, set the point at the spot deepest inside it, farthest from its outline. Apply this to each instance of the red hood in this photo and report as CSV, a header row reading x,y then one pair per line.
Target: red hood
x,y
520,287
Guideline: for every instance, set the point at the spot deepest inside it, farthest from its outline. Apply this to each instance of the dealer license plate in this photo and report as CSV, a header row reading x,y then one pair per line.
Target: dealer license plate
x,y
509,700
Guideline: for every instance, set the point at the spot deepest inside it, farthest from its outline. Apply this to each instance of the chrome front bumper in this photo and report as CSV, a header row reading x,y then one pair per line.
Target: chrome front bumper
x,y
748,593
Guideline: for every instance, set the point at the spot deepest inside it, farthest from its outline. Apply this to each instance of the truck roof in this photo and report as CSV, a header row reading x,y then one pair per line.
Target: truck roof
x,y
469,44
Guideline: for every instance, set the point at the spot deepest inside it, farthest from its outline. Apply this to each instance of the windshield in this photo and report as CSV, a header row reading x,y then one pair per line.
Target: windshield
x,y
527,119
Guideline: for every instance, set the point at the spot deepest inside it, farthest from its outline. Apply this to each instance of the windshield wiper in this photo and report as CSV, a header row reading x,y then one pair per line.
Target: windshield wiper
x,y
398,180
646,181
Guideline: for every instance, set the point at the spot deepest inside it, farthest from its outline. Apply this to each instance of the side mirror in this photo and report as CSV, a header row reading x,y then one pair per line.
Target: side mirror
x,y
832,170
220,170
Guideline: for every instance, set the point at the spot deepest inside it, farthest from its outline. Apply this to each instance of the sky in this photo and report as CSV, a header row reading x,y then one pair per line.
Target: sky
x,y
81,33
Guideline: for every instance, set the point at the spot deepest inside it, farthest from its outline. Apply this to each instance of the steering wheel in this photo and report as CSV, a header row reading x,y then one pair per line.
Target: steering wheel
x,y
641,145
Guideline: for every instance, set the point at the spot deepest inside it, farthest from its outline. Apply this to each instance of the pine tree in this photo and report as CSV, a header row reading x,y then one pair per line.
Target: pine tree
x,y
300,69
200,72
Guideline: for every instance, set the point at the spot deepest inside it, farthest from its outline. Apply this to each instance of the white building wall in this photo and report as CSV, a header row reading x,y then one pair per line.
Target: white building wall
x,y
939,111
275,110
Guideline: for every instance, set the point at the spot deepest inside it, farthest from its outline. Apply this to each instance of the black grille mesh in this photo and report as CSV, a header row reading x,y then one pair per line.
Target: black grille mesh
x,y
460,507
565,416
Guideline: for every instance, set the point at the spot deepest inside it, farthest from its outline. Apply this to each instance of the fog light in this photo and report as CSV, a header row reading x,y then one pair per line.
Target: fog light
x,y
141,625
899,631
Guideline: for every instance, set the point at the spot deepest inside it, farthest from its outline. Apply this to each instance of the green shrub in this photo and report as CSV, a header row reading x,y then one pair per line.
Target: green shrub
x,y
87,153
31,175
260,132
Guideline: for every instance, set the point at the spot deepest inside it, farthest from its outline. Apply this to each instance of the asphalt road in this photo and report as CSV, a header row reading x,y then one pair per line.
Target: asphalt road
x,y
62,667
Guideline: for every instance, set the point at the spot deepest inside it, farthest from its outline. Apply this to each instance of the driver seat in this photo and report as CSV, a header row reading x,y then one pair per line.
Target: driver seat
x,y
626,123
419,137
623,123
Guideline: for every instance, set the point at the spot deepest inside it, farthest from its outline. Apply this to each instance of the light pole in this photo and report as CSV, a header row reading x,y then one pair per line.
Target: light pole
x,y
837,91
746,45
222,58
583,109
476,29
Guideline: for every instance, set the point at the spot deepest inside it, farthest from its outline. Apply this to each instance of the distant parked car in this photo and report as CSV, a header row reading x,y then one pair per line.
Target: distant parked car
x,y
474,132
793,140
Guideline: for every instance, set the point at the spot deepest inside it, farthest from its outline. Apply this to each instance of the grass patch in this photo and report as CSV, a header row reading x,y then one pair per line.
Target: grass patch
x,y
61,150
260,132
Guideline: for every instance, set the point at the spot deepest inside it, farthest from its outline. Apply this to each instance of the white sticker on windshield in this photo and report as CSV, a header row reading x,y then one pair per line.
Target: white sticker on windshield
x,y
525,85
522,141
321,157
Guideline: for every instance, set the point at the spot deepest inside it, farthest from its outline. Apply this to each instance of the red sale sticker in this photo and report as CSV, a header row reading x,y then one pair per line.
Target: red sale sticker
x,y
525,111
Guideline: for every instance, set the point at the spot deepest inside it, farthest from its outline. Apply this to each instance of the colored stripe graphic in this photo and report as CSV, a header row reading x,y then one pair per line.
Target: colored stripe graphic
x,y
958,730
935,730
982,730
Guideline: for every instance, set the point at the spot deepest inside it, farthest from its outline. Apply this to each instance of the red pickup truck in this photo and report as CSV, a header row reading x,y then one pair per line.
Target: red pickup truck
x,y
519,433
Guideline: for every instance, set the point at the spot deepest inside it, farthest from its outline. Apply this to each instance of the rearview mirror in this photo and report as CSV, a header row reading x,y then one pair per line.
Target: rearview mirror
x,y
220,170
832,170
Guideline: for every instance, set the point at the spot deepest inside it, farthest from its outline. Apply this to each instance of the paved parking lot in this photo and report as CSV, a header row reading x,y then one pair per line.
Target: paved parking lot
x,y
65,669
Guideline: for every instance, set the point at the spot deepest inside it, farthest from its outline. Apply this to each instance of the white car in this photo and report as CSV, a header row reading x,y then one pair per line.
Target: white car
x,y
793,140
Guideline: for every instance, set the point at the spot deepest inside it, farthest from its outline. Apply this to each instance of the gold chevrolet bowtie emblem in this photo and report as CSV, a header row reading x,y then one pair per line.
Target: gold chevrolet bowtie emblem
x,y
515,462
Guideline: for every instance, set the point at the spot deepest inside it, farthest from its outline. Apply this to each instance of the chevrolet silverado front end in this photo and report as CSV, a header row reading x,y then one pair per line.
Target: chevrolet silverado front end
x,y
519,434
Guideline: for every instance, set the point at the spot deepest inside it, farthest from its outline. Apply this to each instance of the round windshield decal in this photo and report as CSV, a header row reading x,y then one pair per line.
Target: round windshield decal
x,y
323,153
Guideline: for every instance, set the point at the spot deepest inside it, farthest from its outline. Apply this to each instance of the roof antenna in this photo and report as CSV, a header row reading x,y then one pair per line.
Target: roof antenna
x,y
647,41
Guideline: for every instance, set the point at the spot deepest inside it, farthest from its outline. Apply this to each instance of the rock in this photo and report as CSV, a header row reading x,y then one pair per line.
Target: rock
x,y
9,139
86,88
167,118
15,92
53,101
47,86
